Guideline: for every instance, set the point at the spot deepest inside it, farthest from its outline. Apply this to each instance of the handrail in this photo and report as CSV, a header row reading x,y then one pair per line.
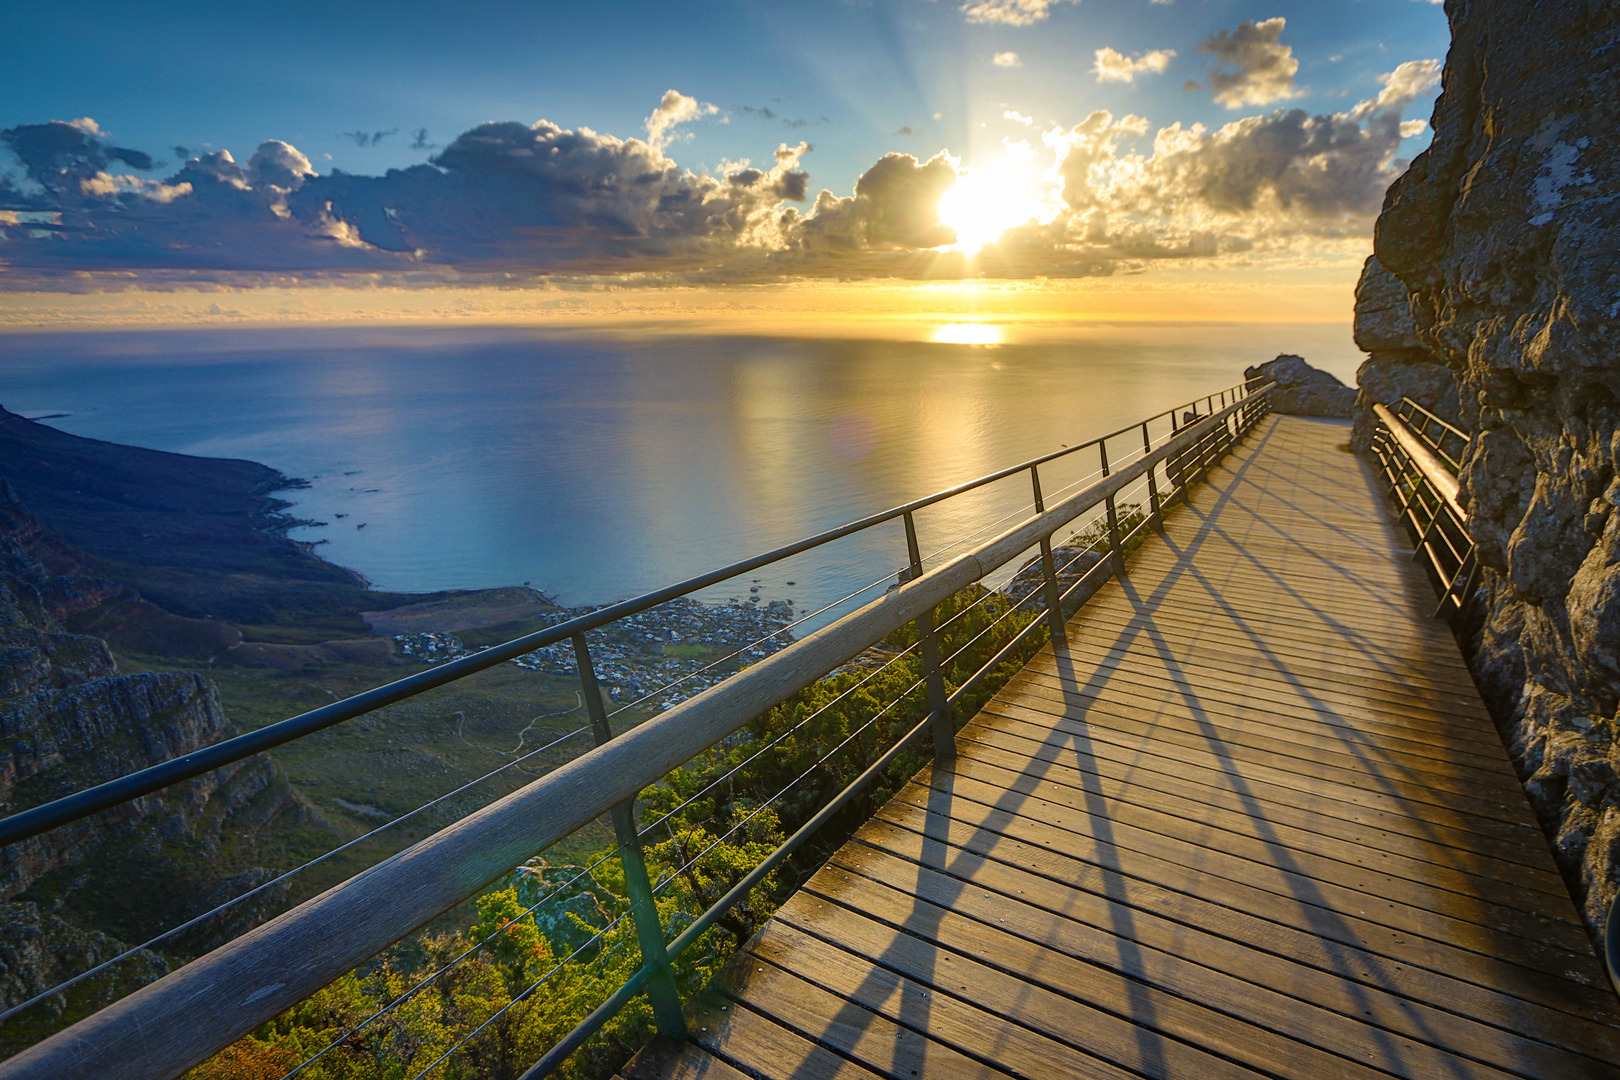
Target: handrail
x,y
1430,416
214,1000
1428,498
1425,459
39,819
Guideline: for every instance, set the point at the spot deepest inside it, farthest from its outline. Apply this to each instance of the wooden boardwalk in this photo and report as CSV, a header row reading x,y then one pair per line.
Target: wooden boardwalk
x,y
1253,821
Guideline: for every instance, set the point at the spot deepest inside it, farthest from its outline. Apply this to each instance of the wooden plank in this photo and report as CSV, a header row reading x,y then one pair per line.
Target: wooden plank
x,y
761,1047
1039,712
853,1022
1545,943
1434,720
1272,1014
1258,677
1479,987
1232,882
1308,737
1103,733
1052,735
1348,817
666,1058
1218,641
1009,1012
1316,878
1087,792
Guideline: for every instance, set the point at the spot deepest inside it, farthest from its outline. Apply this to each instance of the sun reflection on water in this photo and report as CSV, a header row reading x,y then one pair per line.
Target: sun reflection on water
x,y
967,334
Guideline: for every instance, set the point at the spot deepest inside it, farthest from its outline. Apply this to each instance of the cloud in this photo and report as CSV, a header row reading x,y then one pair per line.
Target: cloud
x,y
58,158
895,206
1006,59
1402,87
762,112
278,164
364,139
1114,66
1009,12
419,140
1265,67
103,185
1259,182
514,203
675,108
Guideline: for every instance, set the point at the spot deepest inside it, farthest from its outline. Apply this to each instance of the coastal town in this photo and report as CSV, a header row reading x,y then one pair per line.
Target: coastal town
x,y
658,657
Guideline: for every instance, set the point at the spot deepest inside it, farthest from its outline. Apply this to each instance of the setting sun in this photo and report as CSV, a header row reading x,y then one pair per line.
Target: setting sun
x,y
982,206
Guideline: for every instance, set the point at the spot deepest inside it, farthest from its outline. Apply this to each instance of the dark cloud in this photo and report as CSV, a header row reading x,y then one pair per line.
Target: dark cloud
x,y
909,130
895,205
133,158
499,197
419,140
762,112
364,139
59,158
1264,66
181,153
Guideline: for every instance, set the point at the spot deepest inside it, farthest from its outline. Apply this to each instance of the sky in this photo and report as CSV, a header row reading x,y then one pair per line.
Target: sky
x,y
358,159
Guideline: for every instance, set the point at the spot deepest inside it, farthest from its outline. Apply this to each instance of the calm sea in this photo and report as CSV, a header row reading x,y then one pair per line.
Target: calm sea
x,y
596,467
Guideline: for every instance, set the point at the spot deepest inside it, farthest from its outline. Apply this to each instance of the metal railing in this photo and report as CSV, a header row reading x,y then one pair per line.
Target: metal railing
x,y
1420,456
214,1000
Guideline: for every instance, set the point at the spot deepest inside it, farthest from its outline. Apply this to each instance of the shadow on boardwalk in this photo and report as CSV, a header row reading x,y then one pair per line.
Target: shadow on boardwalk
x,y
1252,819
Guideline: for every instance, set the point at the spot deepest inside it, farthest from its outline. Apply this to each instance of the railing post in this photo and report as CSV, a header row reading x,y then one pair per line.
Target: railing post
x,y
1054,593
1115,549
1205,445
1152,476
1175,466
666,999
933,670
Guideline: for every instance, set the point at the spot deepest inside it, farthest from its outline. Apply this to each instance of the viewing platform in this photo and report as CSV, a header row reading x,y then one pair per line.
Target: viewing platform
x,y
1252,819
1244,815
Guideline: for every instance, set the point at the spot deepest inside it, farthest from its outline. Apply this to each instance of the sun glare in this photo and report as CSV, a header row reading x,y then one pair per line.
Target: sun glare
x,y
982,206
967,334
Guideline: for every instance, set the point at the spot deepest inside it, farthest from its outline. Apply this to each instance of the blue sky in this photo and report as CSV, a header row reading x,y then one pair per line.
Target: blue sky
x,y
855,80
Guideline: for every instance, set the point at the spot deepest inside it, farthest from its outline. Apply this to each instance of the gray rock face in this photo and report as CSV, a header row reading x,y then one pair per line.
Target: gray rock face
x,y
1397,365
1384,312
1301,389
68,721
39,950
1505,235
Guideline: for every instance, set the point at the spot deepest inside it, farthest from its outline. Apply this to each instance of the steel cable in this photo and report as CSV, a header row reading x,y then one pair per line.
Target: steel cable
x,y
196,920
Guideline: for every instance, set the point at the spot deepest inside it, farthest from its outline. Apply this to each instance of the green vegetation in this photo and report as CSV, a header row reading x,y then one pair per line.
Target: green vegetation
x,y
706,826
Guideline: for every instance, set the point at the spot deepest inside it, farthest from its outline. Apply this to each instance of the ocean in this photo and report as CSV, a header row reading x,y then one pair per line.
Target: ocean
x,y
596,466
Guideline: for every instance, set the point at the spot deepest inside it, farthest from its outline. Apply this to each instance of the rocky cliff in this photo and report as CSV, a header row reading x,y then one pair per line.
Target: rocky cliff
x,y
1397,365
70,720
1504,236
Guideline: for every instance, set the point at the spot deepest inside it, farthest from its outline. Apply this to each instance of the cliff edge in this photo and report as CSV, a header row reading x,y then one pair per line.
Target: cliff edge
x,y
70,720
1503,235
